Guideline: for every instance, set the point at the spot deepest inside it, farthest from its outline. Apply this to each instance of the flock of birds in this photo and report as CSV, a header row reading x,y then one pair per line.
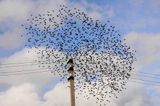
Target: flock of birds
x,y
102,61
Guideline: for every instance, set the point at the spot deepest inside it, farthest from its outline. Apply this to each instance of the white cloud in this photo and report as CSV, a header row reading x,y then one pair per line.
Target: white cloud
x,y
26,95
13,13
94,11
23,56
95,15
59,95
47,5
11,39
26,89
14,10
22,94
134,95
146,45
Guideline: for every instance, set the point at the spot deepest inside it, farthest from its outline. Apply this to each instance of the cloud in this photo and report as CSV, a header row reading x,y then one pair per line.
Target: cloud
x,y
14,10
27,65
13,13
26,95
11,39
23,95
23,89
147,46
134,95
93,10
26,88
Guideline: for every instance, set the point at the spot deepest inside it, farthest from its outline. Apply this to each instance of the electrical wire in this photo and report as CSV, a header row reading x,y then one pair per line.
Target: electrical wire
x,y
28,64
21,72
16,63
134,80
9,65
3,72
19,65
146,75
138,74
26,73
145,80
33,71
143,83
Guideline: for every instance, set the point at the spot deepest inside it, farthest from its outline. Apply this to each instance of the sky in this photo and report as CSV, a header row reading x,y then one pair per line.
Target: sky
x,y
138,21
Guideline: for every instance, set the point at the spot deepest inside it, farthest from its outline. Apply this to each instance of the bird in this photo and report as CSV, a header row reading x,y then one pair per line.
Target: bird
x,y
101,59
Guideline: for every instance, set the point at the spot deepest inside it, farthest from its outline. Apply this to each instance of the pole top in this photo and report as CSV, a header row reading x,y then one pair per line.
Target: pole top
x,y
70,61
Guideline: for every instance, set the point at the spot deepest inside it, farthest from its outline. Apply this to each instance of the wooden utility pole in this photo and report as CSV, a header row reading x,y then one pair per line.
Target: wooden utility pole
x,y
71,80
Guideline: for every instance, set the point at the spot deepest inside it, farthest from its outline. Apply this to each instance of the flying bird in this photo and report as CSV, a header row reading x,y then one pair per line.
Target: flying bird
x,y
102,62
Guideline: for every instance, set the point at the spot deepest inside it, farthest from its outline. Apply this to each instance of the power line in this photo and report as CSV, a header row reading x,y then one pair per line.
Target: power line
x,y
142,82
141,74
145,73
19,65
9,65
145,80
146,76
38,72
34,71
23,72
150,74
16,63
1,72
24,64
26,73
134,80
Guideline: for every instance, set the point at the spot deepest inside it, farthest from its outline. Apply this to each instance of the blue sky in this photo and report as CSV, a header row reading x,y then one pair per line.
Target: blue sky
x,y
133,15
137,20
140,18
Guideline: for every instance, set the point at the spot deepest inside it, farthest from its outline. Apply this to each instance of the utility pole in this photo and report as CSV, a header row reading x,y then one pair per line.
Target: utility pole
x,y
71,80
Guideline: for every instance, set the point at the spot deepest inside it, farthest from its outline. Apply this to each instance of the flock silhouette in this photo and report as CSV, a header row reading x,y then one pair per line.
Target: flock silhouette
x,y
102,61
